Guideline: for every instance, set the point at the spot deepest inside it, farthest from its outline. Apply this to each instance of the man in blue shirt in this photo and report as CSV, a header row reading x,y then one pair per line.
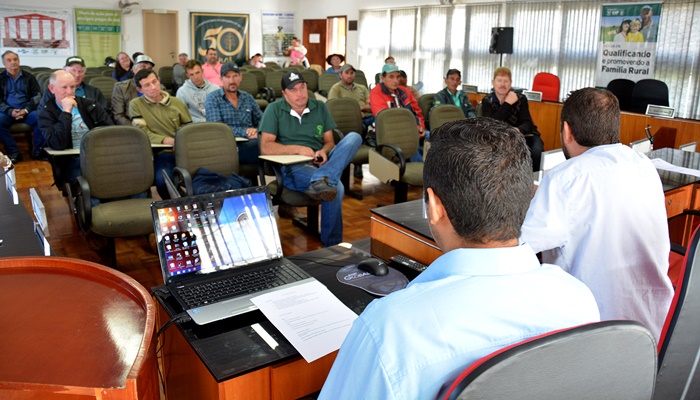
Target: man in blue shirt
x,y
19,97
453,94
238,110
486,292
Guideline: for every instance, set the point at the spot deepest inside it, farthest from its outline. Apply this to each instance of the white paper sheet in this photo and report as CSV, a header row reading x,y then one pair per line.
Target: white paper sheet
x,y
313,320
666,166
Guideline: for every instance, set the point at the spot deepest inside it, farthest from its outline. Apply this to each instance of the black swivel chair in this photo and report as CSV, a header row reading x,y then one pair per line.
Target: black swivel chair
x,y
649,91
622,89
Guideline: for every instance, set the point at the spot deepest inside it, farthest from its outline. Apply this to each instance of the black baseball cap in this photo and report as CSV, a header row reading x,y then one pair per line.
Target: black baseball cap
x,y
290,79
229,67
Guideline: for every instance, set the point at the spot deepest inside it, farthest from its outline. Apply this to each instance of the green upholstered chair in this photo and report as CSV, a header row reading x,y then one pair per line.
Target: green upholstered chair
x,y
348,118
106,86
325,81
397,141
311,78
273,80
425,102
249,84
360,78
444,113
167,78
116,164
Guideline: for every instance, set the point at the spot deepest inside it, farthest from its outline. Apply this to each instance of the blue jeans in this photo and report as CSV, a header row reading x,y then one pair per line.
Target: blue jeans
x,y
6,137
299,176
248,152
163,161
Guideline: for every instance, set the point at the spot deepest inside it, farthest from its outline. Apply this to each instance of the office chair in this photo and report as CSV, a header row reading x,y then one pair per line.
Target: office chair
x,y
679,345
348,118
273,80
116,164
425,102
325,81
548,84
167,78
444,113
549,160
106,86
603,360
260,78
649,91
249,84
209,145
622,89
272,64
311,78
397,141
360,78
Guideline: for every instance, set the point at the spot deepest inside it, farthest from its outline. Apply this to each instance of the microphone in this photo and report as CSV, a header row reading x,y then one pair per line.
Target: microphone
x,y
647,131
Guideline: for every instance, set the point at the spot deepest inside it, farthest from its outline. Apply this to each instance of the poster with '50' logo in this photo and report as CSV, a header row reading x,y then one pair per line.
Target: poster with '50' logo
x,y
226,33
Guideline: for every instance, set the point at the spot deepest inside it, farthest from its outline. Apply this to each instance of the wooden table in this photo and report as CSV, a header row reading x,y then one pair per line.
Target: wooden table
x,y
74,329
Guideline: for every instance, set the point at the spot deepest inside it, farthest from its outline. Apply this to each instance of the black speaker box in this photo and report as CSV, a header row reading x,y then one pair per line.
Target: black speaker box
x,y
501,41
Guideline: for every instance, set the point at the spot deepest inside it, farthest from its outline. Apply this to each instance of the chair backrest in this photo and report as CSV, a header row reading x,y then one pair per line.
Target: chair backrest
x,y
167,78
679,345
105,85
259,76
272,64
316,67
445,113
622,89
211,145
346,114
273,79
249,83
641,146
425,102
117,161
360,78
325,81
548,84
311,78
397,126
691,147
604,360
649,91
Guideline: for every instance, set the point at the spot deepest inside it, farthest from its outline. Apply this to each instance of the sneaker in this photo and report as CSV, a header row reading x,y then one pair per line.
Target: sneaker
x,y
358,171
321,190
40,156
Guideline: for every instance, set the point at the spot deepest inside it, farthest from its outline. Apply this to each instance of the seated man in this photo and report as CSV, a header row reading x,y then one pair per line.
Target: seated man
x,y
76,67
126,91
67,118
19,97
453,94
601,215
346,87
388,94
212,68
485,293
297,124
238,110
179,73
160,115
195,90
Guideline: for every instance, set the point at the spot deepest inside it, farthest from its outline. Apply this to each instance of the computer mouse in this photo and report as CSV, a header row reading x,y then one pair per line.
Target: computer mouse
x,y
373,266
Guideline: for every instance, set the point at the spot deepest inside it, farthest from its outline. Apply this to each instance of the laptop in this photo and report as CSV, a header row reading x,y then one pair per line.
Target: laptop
x,y
219,250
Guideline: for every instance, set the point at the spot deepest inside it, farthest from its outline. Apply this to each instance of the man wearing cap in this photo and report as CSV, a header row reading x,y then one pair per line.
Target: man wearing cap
x,y
297,124
453,94
388,94
160,116
19,97
179,72
126,91
195,90
238,110
212,68
76,67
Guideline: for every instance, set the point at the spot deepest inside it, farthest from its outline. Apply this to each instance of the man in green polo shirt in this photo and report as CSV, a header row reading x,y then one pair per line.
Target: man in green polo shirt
x,y
296,124
453,94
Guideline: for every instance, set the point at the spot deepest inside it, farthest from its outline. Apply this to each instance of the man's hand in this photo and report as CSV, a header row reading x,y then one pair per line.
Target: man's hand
x,y
511,98
320,155
252,133
169,140
18,114
421,132
68,103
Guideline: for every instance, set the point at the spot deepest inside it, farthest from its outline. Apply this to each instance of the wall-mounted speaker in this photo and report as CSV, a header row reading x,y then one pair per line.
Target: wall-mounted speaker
x,y
501,41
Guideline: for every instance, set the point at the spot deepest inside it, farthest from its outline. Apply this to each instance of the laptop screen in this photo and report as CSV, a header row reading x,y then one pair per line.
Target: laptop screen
x,y
201,234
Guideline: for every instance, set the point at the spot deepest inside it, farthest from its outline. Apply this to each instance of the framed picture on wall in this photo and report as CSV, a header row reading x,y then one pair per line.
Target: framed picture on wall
x,y
226,33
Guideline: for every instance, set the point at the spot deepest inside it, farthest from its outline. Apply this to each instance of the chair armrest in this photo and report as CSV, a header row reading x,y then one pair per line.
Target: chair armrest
x,y
677,248
264,166
270,94
397,154
182,177
337,135
172,188
83,204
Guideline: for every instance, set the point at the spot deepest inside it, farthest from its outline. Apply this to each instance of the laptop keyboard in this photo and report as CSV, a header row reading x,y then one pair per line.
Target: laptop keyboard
x,y
206,293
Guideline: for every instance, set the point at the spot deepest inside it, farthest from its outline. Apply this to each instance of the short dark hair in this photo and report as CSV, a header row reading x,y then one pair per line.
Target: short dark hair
x,y
453,71
192,63
8,52
402,74
133,56
296,38
481,170
593,116
143,74
211,48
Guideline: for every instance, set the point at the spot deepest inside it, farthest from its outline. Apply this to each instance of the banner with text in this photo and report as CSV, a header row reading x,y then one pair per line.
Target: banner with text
x,y
627,49
227,33
99,34
37,33
278,31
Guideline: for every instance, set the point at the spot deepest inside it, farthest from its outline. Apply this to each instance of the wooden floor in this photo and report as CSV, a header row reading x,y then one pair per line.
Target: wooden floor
x,y
139,259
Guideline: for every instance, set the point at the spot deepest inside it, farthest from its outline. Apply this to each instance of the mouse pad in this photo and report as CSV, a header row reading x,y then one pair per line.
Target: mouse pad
x,y
376,285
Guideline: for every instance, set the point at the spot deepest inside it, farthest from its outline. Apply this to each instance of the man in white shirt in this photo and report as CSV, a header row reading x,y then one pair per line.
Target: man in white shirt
x,y
601,216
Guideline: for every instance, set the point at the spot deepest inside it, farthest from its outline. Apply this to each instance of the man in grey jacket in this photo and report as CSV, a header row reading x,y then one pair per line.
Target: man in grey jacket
x,y
195,90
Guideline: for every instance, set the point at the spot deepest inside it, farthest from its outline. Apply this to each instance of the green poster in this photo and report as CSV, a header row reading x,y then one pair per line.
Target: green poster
x,y
98,34
227,33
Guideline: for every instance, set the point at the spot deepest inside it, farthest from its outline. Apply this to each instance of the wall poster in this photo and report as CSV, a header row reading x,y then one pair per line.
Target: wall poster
x,y
227,33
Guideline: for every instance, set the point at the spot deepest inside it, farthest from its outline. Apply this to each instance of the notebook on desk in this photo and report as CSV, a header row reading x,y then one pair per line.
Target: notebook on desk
x,y
219,250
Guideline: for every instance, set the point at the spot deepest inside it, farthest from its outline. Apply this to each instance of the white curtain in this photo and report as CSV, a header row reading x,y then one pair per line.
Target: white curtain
x,y
373,42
